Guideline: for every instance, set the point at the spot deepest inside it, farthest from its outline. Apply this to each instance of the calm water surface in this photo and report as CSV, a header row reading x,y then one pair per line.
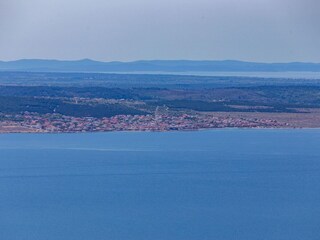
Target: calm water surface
x,y
221,185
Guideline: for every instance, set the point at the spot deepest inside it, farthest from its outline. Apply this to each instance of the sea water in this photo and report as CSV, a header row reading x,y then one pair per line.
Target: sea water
x,y
227,184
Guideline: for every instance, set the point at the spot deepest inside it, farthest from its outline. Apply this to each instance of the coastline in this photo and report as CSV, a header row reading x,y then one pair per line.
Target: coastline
x,y
158,131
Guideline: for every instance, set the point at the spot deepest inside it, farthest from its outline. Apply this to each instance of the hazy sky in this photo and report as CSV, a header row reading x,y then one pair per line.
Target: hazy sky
x,y
253,30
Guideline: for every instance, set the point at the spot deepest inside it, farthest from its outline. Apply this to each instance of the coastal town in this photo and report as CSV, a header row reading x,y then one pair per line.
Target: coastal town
x,y
84,109
57,123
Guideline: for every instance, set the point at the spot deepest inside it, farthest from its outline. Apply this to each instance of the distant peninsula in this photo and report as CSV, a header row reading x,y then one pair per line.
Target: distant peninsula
x,y
179,66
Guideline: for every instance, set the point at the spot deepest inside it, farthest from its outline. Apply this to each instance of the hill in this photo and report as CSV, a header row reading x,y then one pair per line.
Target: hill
x,y
87,65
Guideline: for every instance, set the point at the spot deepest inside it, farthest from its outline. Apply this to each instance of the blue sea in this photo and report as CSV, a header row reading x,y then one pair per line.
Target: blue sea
x,y
229,184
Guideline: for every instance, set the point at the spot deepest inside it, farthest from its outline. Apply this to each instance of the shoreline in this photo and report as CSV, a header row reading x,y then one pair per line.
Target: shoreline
x,y
168,131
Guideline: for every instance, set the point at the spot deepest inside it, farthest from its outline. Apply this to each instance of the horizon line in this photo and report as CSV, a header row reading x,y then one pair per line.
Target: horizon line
x,y
154,60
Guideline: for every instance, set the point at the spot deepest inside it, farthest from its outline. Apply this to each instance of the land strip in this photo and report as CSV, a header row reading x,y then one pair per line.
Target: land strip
x,y
92,109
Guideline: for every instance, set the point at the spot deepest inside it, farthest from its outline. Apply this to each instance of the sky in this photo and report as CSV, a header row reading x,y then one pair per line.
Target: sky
x,y
128,30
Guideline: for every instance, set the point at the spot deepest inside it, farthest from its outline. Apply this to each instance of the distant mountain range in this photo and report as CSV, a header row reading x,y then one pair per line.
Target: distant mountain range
x,y
170,66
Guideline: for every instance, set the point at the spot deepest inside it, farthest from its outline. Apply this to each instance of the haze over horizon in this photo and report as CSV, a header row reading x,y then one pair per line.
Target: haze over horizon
x,y
126,30
151,60
119,61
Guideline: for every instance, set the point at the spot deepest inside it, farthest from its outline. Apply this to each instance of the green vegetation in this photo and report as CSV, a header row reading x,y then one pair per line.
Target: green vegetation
x,y
47,99
15,105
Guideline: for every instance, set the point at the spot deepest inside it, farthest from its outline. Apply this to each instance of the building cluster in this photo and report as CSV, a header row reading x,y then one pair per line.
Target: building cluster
x,y
156,122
